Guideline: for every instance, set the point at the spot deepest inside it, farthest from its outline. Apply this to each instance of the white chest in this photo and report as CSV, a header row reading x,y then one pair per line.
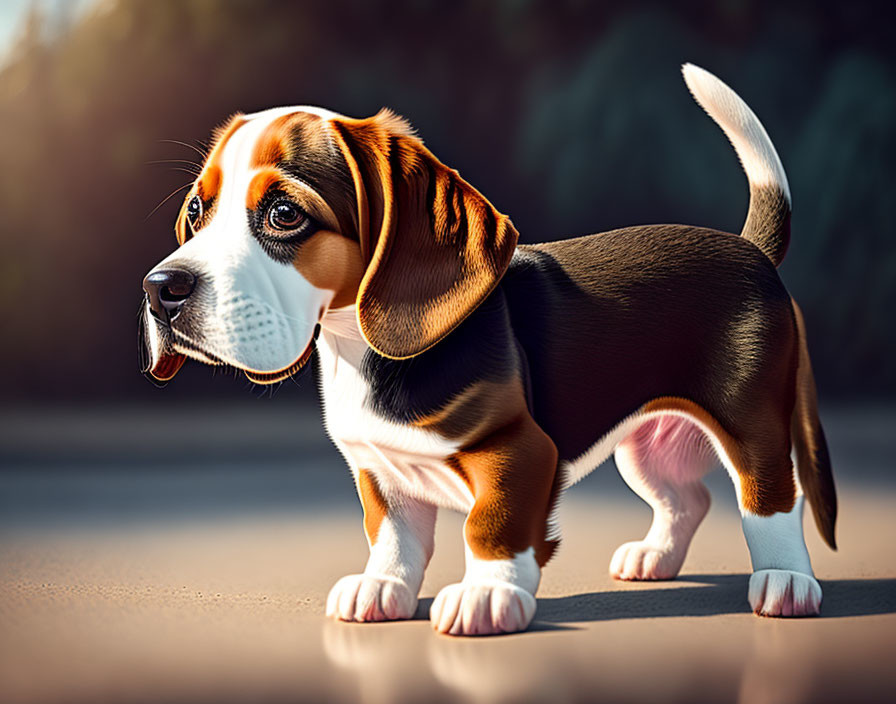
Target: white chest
x,y
404,458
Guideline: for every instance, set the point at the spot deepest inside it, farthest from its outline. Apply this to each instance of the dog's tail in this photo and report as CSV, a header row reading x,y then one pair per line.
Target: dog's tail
x,y
768,219
812,459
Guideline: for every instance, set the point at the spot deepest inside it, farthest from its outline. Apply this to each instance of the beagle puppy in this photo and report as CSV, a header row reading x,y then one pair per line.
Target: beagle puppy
x,y
461,370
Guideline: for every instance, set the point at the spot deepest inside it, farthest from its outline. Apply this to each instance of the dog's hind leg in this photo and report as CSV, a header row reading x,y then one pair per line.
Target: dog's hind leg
x,y
771,504
663,462
771,507
782,583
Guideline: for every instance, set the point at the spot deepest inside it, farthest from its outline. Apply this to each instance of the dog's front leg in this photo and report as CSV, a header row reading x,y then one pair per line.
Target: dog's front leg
x,y
400,533
512,474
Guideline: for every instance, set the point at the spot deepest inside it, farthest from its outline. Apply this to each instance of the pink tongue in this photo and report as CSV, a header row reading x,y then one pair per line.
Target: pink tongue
x,y
168,366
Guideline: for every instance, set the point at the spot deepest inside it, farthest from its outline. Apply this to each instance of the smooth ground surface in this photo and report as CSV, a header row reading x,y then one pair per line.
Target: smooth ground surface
x,y
193,566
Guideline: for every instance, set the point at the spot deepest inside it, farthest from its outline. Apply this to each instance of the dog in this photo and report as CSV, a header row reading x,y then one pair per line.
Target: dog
x,y
461,370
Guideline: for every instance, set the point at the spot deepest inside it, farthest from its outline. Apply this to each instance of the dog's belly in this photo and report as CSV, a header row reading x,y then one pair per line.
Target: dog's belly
x,y
404,459
679,444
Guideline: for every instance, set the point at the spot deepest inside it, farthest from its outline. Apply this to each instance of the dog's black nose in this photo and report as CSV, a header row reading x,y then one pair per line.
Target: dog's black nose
x,y
167,290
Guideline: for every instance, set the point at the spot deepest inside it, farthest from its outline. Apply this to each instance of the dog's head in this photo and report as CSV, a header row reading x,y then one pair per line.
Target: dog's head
x,y
299,210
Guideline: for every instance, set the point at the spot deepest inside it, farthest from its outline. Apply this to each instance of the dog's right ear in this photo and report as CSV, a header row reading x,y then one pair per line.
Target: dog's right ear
x,y
434,247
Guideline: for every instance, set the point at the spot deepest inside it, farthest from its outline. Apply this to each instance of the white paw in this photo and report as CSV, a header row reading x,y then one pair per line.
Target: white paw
x,y
479,609
638,560
784,593
361,597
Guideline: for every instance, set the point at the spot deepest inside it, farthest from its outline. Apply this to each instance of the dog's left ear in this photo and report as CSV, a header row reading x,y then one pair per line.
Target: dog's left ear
x,y
433,245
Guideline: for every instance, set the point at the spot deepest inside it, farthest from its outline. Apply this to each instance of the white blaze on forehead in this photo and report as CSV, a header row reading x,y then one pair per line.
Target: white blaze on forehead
x,y
250,310
236,157
274,113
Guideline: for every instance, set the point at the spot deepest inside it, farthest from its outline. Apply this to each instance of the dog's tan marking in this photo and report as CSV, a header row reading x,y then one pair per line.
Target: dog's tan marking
x,y
333,262
373,503
209,185
512,474
509,464
272,146
259,185
276,143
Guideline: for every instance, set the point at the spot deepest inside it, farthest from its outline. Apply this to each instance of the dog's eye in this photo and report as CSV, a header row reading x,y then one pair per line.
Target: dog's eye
x,y
194,210
285,215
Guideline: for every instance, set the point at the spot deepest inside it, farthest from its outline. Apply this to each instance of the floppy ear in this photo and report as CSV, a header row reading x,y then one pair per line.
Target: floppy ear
x,y
433,245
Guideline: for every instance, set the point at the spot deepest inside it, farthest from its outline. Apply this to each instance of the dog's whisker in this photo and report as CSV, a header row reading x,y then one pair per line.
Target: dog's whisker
x,y
184,167
167,198
184,170
196,149
174,161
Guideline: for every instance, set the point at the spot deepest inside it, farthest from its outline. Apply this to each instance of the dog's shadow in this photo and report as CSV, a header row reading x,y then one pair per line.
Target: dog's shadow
x,y
715,595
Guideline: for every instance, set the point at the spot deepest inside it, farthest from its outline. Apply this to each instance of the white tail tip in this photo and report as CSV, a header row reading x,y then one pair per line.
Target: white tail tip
x,y
742,127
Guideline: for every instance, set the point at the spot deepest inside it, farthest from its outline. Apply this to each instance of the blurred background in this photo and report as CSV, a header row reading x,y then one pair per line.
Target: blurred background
x,y
571,116
214,515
